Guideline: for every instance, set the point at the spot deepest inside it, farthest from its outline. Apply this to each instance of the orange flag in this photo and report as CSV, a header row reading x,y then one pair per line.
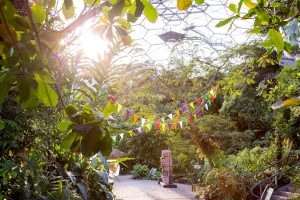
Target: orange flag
x,y
135,117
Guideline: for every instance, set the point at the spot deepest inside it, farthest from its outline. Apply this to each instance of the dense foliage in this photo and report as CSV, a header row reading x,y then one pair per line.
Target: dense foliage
x,y
55,111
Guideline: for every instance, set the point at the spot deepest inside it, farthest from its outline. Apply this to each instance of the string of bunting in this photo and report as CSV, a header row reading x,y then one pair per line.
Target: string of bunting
x,y
168,121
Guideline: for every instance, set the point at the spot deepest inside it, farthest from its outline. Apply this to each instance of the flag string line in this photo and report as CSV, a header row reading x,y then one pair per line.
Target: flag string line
x,y
204,100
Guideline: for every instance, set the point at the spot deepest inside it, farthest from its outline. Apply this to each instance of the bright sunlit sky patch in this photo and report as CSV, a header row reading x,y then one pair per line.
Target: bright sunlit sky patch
x,y
204,18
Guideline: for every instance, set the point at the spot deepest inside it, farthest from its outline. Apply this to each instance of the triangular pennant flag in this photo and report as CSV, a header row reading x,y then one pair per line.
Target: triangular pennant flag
x,y
169,125
139,129
195,117
191,120
113,100
199,113
135,117
170,116
127,114
209,102
175,125
163,126
156,123
177,113
183,108
180,124
198,101
186,121
192,105
148,126
122,136
212,97
163,120
206,106
212,92
143,121
119,107
151,124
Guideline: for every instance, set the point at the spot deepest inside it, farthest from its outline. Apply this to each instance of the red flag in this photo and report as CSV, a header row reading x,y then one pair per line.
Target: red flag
x,y
156,124
191,120
212,97
198,101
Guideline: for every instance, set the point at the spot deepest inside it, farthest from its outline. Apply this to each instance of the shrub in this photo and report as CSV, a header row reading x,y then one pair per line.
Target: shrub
x,y
140,171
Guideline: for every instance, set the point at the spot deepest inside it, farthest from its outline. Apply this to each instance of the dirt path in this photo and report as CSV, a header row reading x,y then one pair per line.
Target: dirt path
x,y
130,189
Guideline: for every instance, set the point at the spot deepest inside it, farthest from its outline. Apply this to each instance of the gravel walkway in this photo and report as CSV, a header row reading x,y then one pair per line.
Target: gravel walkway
x,y
130,189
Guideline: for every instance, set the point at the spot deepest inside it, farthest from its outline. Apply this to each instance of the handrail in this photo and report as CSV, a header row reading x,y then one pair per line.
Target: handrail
x,y
271,177
272,165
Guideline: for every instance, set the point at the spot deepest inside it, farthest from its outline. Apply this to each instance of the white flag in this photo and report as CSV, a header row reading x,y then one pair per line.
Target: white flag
x,y
206,106
170,116
180,123
143,121
212,92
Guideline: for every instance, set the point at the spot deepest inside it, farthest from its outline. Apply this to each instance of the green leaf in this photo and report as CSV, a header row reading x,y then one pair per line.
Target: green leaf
x,y
267,43
224,22
184,4
95,3
199,2
64,125
149,11
46,94
5,81
68,9
71,110
139,8
232,7
2,125
249,4
277,39
275,4
106,145
288,47
69,140
38,14
239,6
44,76
109,109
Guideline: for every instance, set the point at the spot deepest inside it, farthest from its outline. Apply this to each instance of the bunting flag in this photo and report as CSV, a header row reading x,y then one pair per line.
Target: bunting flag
x,y
193,110
139,129
127,114
163,126
119,107
191,120
199,113
151,124
206,106
143,121
180,124
186,121
156,123
135,117
113,100
192,105
175,125
148,126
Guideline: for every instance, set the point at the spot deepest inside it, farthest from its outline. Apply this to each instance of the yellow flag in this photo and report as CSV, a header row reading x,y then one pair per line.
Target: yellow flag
x,y
195,117
163,126
177,113
119,107
148,127
192,105
135,117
